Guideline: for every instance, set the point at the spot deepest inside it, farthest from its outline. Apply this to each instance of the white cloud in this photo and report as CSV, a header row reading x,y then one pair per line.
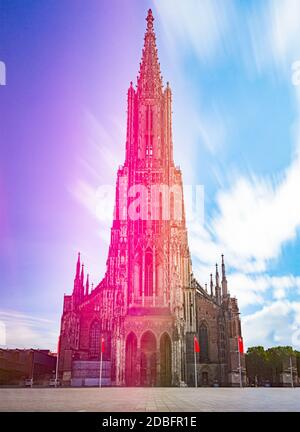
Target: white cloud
x,y
193,25
285,28
276,323
256,218
248,290
278,44
27,331
252,289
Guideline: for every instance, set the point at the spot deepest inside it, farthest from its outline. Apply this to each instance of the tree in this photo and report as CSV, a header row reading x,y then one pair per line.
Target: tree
x,y
267,365
256,365
278,360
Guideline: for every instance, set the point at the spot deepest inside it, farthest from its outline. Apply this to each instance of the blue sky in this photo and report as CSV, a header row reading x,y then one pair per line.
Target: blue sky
x,y
236,130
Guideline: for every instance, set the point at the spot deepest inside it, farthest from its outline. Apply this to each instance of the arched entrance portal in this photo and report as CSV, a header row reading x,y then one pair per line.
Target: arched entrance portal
x,y
131,350
148,359
165,361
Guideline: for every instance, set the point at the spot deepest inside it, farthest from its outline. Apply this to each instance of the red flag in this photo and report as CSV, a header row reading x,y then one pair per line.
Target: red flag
x,y
196,345
102,345
241,345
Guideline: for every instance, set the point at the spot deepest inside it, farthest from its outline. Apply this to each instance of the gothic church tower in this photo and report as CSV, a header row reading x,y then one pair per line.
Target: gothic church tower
x,y
148,307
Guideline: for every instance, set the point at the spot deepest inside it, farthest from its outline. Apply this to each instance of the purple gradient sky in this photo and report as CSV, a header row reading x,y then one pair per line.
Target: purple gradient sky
x,y
62,58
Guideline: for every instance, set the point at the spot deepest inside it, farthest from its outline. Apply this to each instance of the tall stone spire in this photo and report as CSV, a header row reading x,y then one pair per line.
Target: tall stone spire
x,y
78,290
218,288
224,279
223,267
211,285
87,285
149,79
149,113
78,267
217,276
82,274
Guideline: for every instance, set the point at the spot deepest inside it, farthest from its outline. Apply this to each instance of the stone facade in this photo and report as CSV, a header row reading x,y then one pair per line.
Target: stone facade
x,y
149,307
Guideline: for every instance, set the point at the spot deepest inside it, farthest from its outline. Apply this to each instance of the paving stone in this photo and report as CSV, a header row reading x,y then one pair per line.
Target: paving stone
x,y
150,399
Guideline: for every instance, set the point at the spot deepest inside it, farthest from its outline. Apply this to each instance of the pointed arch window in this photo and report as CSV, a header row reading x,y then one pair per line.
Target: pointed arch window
x,y
203,340
148,273
95,331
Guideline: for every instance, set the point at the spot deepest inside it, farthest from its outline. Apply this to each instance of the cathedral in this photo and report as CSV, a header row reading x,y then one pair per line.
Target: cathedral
x,y
143,317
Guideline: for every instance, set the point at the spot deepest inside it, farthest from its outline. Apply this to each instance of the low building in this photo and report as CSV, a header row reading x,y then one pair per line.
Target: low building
x,y
17,365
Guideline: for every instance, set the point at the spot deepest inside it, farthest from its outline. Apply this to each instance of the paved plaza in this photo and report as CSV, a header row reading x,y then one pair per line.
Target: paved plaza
x,y
150,399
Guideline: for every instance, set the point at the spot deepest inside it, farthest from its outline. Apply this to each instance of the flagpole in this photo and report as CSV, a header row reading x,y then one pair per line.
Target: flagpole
x,y
195,358
196,349
57,360
101,357
240,369
240,350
